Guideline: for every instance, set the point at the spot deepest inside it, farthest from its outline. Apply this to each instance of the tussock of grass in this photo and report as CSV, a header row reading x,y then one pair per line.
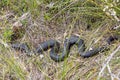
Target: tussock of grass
x,y
89,19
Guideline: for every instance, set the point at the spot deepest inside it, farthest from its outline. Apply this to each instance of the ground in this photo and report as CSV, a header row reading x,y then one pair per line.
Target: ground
x,y
37,21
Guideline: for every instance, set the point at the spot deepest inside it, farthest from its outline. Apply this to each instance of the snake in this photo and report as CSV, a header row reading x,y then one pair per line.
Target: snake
x,y
54,45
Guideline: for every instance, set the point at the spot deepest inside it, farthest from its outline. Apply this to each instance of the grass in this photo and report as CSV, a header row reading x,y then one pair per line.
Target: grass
x,y
89,19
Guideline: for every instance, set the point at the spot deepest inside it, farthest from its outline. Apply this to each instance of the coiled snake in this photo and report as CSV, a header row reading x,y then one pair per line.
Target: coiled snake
x,y
68,43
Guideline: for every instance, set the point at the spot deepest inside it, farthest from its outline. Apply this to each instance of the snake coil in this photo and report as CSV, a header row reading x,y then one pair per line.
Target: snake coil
x,y
68,43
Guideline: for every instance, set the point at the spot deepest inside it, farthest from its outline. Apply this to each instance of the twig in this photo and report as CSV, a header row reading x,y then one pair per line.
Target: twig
x,y
23,17
3,43
8,15
110,72
63,9
107,61
115,77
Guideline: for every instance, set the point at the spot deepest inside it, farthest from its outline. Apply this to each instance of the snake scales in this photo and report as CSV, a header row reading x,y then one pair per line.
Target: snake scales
x,y
68,43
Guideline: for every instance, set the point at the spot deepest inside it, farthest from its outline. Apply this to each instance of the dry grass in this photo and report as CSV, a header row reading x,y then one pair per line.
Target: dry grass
x,y
43,20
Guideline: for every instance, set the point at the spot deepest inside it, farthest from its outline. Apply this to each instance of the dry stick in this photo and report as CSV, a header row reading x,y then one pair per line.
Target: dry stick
x,y
115,76
117,26
112,75
110,72
6,16
107,61
118,20
4,43
23,17
63,9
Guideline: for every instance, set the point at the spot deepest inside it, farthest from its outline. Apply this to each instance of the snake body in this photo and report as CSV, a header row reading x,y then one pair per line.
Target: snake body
x,y
68,43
